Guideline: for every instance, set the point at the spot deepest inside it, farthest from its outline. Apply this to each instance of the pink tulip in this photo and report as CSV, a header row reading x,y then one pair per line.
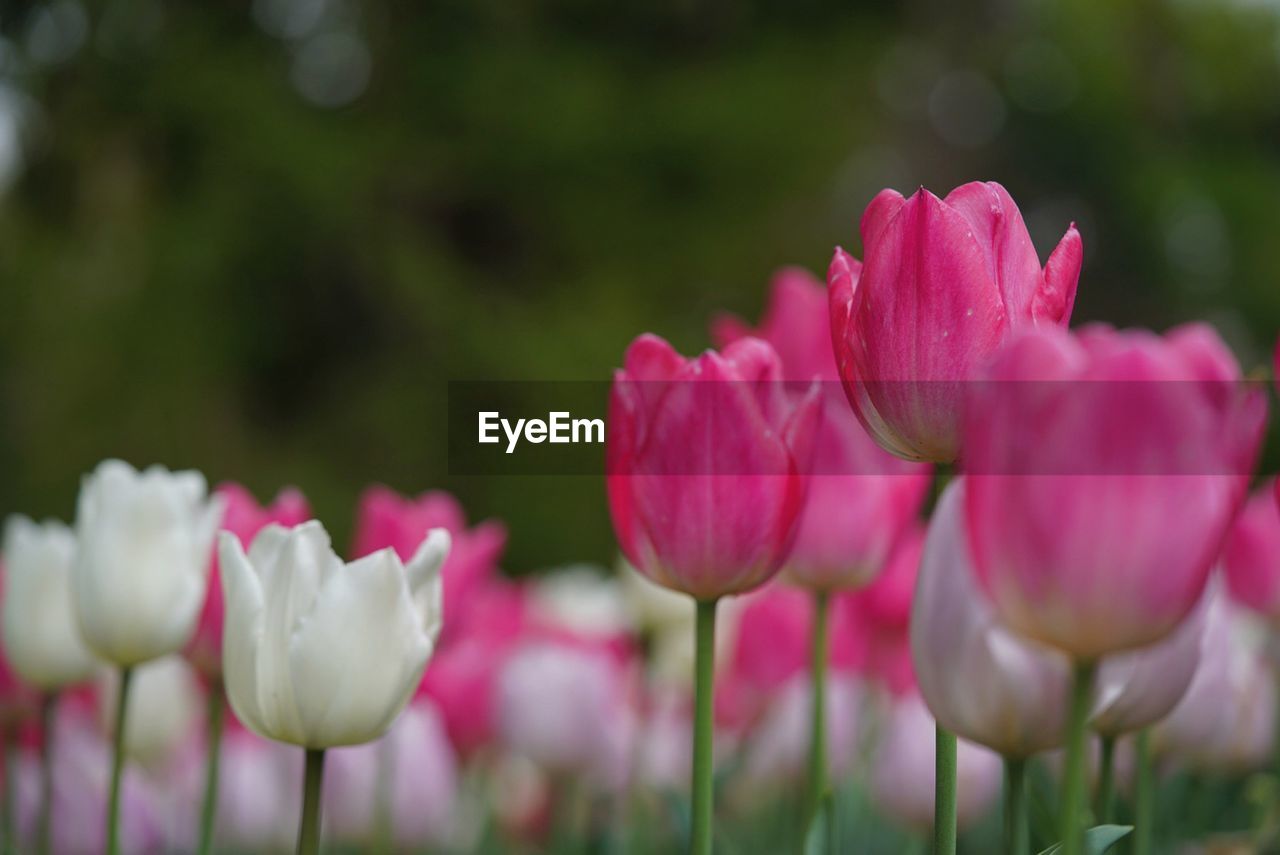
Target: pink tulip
x,y
1251,558
259,792
902,770
706,464
244,518
1226,720
1104,471
413,766
666,741
386,519
980,680
1138,688
777,748
945,283
860,497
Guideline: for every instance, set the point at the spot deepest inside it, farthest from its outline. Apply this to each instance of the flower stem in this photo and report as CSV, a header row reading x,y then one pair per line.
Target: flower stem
x,y
817,789
1144,797
309,827
1107,781
944,804
703,794
213,745
117,761
1073,779
44,820
1017,835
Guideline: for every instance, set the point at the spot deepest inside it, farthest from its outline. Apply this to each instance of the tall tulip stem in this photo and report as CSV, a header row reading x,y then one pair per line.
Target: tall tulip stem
x,y
213,746
1143,797
1073,779
818,721
309,827
117,761
1107,781
944,805
1017,833
703,731
48,707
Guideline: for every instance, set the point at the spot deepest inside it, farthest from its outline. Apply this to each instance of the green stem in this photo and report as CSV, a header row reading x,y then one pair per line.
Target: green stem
x,y
703,794
1017,833
1073,779
1144,797
1106,802
44,820
309,827
944,805
817,789
209,810
117,761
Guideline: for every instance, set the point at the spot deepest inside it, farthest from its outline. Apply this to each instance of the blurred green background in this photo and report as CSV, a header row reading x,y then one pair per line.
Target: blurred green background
x,y
257,238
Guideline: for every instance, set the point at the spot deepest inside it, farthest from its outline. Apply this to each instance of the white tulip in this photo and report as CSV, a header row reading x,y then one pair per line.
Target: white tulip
x,y
164,708
41,638
142,559
319,653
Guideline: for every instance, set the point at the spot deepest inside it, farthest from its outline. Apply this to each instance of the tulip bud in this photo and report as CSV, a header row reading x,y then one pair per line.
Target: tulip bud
x,y
1104,470
319,653
41,637
142,559
980,680
1251,557
244,518
860,497
706,463
1138,688
945,283
902,771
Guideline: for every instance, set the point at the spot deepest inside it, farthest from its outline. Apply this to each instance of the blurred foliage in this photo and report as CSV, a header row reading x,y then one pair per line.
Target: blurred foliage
x,y
259,237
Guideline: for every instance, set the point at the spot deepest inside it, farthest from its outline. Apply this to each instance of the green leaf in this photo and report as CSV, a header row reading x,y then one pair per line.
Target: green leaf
x,y
815,839
1097,840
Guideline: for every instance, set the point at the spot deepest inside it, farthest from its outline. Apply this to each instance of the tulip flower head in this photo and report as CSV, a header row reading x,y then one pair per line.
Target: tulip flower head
x,y
319,653
860,497
706,465
142,559
980,680
1104,469
41,637
944,284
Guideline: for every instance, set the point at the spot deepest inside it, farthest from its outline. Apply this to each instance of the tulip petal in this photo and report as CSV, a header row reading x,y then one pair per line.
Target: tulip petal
x,y
1057,296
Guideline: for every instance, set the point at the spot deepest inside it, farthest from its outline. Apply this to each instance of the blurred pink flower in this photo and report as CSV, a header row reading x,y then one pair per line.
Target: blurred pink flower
x,y
980,680
1251,557
777,747
902,771
706,464
945,283
244,518
259,792
414,766
1104,469
860,497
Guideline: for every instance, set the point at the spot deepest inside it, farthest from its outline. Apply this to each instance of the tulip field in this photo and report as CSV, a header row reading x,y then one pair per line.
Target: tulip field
x,y
564,428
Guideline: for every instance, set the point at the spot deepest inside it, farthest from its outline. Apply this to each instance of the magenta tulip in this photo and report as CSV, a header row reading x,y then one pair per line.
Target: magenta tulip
x,y
945,283
860,497
706,465
980,680
1104,470
1251,558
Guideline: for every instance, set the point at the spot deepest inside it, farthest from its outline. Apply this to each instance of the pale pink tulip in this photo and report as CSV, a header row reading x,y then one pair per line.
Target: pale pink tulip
x,y
1104,471
1251,558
